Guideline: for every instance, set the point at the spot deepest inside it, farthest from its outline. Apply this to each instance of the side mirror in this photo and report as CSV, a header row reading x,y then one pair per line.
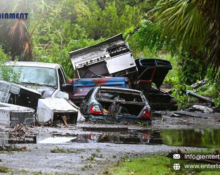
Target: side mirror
x,y
67,87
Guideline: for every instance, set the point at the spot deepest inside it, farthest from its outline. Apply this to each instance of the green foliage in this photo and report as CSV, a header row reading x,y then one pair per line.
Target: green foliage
x,y
7,73
181,22
70,25
146,40
152,164
193,68
57,54
108,21
4,57
211,90
180,95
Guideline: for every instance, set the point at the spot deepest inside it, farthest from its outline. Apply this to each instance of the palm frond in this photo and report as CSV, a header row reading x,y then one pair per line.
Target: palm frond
x,y
211,12
181,22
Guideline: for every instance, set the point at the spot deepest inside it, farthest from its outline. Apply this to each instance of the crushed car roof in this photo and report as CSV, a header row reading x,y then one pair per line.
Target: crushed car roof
x,y
33,64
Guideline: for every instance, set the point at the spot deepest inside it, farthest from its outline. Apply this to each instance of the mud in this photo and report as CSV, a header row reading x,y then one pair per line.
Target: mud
x,y
77,153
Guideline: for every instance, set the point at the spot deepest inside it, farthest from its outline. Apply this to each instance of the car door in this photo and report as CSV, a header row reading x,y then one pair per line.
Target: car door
x,y
61,78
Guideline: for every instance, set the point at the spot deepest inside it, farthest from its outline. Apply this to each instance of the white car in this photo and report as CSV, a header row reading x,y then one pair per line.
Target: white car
x,y
47,78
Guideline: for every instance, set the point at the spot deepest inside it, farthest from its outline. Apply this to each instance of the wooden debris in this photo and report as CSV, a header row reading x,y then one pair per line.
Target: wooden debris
x,y
64,120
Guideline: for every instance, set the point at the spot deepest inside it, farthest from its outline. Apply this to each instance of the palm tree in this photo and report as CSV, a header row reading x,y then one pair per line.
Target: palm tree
x,y
192,24
14,35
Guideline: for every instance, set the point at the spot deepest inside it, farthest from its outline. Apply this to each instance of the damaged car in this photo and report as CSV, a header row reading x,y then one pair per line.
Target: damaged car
x,y
47,78
116,104
154,71
41,86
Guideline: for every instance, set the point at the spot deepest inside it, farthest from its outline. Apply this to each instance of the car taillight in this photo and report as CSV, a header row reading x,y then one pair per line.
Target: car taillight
x,y
95,110
145,115
173,101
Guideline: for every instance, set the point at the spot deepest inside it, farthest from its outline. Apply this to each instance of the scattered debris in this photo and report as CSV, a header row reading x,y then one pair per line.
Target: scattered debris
x,y
19,131
114,59
52,109
64,120
105,59
199,84
183,91
203,108
198,114
187,113
18,95
11,148
11,115
210,100
81,118
36,81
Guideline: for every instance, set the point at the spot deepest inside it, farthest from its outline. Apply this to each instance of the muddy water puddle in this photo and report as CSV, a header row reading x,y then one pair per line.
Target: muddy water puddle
x,y
173,137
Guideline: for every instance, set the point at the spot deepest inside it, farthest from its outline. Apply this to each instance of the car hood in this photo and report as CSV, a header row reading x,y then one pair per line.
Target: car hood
x,y
44,90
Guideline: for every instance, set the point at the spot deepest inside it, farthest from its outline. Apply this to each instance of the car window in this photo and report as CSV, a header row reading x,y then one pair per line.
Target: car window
x,y
88,95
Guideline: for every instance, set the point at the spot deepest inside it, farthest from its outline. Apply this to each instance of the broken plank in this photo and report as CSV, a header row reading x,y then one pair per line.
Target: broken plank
x,y
160,113
197,114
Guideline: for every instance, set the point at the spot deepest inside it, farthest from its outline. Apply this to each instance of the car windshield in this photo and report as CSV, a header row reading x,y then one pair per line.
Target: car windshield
x,y
122,95
29,75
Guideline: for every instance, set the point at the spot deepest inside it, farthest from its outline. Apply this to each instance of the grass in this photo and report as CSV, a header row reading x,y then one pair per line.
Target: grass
x,y
58,150
4,169
152,165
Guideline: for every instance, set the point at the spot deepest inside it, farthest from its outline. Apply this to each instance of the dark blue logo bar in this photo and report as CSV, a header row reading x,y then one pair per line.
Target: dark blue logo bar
x,y
20,16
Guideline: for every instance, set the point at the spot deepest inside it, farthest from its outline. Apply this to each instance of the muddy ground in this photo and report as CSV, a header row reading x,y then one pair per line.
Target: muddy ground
x,y
69,157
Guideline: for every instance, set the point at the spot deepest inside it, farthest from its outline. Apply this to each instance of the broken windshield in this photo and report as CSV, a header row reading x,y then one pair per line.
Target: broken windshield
x,y
30,75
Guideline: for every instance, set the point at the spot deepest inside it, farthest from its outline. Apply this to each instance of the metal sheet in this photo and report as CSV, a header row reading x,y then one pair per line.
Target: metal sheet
x,y
11,115
48,108
120,63
106,58
19,95
4,91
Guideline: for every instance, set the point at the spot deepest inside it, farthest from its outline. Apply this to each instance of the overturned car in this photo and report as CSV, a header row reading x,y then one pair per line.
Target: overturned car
x,y
116,104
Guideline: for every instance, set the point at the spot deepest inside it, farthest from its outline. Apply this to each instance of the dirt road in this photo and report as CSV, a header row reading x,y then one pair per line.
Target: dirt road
x,y
74,155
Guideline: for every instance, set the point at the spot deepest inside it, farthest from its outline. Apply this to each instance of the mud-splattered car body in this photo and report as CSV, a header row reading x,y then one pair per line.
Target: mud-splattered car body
x,y
46,78
116,104
82,86
155,71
